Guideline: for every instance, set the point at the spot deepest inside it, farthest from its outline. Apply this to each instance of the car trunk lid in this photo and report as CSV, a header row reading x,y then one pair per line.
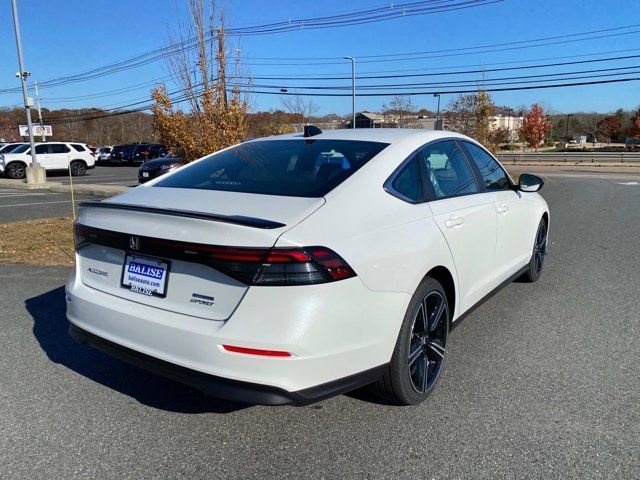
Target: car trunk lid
x,y
144,245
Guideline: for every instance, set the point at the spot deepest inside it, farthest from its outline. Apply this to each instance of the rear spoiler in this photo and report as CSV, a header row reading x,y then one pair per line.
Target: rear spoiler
x,y
235,219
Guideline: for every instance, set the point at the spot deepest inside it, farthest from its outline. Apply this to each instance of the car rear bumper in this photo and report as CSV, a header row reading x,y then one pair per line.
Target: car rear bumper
x,y
225,388
338,334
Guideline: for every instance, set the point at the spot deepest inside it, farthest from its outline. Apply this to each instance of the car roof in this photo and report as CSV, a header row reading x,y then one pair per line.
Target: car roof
x,y
385,135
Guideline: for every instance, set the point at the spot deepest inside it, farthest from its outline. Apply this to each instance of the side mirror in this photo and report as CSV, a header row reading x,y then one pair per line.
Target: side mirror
x,y
530,183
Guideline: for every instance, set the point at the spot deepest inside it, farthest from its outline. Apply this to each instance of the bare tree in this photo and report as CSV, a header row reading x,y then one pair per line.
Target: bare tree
x,y
399,112
217,107
298,105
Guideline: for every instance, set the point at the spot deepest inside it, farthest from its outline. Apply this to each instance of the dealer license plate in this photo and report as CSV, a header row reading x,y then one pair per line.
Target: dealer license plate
x,y
145,275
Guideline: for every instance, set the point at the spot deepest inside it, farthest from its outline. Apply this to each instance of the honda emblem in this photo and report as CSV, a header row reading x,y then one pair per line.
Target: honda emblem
x,y
134,243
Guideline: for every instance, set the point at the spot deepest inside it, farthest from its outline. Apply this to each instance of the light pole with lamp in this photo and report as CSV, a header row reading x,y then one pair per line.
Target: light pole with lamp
x,y
437,125
35,173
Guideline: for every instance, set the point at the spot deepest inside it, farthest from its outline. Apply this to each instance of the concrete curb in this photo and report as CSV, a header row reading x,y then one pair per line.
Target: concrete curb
x,y
97,190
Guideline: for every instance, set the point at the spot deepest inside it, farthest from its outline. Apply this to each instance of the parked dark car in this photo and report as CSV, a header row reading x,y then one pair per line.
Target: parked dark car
x,y
122,153
157,167
137,152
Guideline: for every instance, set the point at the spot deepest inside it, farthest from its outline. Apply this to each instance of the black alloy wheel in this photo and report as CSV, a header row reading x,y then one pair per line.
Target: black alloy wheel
x,y
78,169
16,171
419,355
540,248
539,254
428,341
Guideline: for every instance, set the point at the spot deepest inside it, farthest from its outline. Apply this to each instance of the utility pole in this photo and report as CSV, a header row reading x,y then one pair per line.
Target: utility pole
x,y
44,139
353,91
437,125
35,173
566,131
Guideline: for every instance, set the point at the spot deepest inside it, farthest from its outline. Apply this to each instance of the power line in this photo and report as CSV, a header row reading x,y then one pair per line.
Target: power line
x,y
454,92
380,77
379,14
463,72
543,77
416,93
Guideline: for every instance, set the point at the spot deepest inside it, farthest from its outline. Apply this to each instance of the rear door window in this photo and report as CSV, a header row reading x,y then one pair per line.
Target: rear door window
x,y
300,168
447,170
407,184
58,148
493,176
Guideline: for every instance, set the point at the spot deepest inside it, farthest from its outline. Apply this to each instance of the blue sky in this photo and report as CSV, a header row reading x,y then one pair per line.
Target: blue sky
x,y
62,37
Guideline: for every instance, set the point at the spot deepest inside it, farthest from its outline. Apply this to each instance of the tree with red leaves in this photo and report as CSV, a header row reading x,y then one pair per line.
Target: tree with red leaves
x,y
635,126
610,126
535,126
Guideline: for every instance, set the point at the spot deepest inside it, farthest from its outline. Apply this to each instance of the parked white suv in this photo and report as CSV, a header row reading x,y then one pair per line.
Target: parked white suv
x,y
51,155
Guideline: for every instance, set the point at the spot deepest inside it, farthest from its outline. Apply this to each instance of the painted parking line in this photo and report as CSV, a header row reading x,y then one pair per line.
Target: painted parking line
x,y
14,195
129,182
34,203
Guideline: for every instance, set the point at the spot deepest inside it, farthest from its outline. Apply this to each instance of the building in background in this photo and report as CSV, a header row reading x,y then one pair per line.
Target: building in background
x,y
513,124
368,120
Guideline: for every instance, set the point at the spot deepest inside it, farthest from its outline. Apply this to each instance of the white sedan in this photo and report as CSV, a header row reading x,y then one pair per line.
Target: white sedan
x,y
293,268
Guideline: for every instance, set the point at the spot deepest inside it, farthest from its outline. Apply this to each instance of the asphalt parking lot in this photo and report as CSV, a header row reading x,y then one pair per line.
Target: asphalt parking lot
x,y
18,204
541,382
124,175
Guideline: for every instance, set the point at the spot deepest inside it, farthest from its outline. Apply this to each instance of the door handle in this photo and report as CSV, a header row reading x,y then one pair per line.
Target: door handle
x,y
454,222
504,208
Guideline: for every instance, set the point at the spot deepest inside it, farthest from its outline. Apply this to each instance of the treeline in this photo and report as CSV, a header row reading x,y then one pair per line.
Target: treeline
x,y
81,126
98,127
614,127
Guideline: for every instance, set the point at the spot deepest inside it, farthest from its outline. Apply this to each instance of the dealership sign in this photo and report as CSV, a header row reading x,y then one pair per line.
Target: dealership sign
x,y
38,130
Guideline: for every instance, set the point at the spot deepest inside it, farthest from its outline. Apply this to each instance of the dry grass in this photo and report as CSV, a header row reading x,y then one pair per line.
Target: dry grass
x,y
37,242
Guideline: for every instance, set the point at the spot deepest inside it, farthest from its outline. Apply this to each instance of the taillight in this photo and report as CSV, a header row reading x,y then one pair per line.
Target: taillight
x,y
93,154
251,266
281,266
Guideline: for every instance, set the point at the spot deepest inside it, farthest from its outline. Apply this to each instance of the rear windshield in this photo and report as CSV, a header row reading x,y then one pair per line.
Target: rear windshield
x,y
298,168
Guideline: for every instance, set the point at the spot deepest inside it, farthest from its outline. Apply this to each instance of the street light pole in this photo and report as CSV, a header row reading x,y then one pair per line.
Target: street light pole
x,y
353,91
438,113
35,84
23,80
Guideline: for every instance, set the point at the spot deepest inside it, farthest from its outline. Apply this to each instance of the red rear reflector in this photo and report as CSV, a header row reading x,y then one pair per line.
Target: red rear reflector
x,y
254,351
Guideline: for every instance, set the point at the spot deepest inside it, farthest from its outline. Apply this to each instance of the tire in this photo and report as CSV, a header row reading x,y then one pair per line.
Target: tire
x,y
536,263
418,349
16,170
78,168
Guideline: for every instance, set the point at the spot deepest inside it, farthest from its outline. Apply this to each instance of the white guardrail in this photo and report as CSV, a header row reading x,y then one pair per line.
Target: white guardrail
x,y
571,157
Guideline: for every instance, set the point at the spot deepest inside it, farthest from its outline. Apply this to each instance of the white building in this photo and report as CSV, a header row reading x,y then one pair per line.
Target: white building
x,y
513,124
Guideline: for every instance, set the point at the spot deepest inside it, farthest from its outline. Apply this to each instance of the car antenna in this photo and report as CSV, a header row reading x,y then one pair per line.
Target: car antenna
x,y
311,130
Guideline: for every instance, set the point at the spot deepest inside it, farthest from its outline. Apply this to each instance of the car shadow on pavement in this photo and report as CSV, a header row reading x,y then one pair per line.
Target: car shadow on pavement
x,y
50,328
